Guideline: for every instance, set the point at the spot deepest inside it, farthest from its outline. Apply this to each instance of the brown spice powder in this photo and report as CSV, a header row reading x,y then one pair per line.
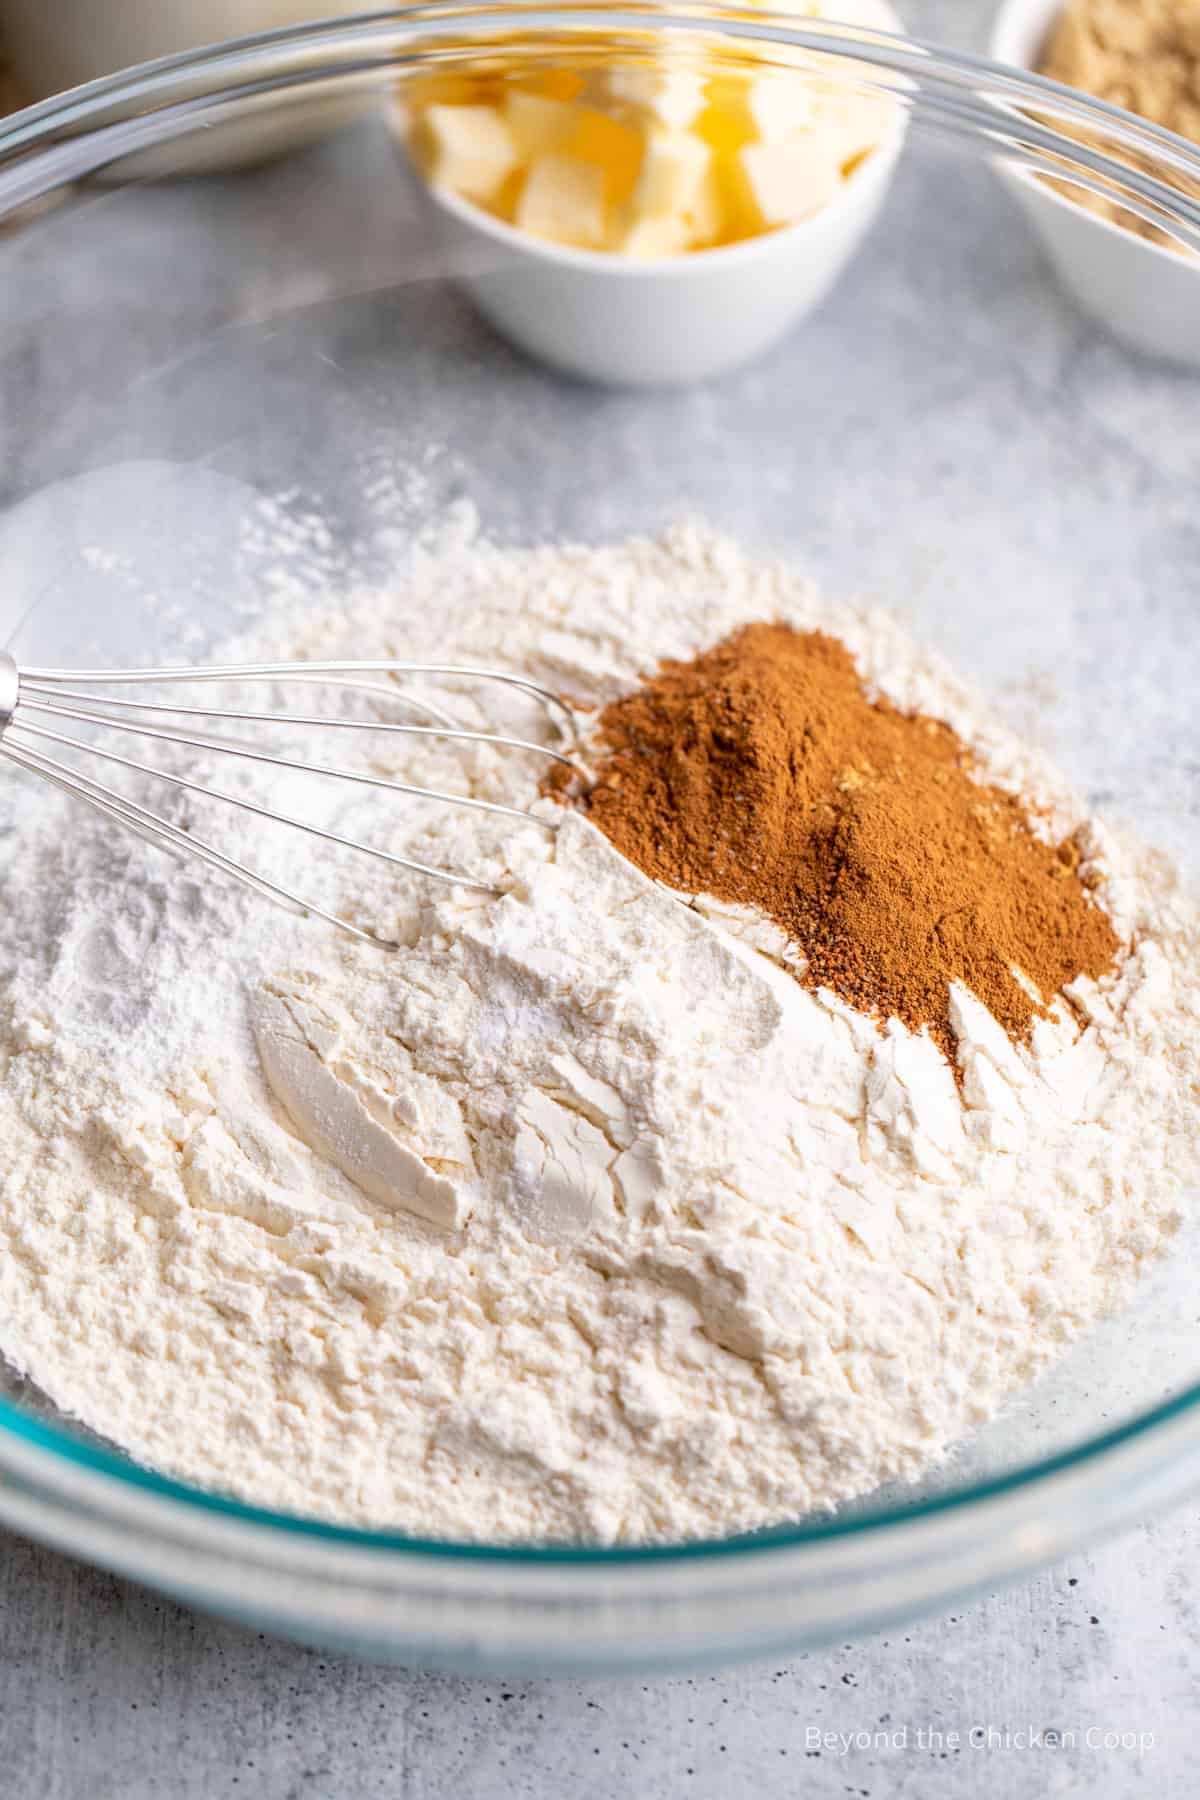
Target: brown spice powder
x,y
762,773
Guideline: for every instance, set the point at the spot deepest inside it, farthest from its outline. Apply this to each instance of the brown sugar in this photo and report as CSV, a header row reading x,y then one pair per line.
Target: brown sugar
x,y
762,773
1143,55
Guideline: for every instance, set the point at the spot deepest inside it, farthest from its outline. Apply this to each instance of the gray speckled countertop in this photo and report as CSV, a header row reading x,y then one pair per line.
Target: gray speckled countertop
x,y
108,1691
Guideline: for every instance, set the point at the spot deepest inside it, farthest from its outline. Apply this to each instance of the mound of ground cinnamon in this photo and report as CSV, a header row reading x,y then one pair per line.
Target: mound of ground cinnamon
x,y
763,773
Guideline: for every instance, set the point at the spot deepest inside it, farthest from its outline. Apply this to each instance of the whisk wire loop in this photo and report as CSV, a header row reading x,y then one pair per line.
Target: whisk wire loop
x,y
164,835
553,703
39,706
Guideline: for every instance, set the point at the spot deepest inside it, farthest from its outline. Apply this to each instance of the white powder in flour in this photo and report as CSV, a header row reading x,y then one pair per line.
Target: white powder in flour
x,y
577,1217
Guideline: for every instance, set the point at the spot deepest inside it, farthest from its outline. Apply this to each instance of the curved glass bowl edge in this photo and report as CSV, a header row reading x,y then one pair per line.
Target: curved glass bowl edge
x,y
1142,1432
1004,106
40,1435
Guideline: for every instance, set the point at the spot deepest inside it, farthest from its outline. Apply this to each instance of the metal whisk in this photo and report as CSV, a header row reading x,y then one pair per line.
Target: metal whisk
x,y
38,708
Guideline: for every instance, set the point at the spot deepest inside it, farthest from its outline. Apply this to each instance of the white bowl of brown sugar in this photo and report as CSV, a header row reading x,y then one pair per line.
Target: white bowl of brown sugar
x,y
1144,56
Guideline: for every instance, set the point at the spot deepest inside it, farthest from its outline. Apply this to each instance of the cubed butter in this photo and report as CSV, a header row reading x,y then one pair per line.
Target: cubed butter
x,y
673,169
671,97
789,179
706,215
653,161
563,200
538,123
647,237
469,149
779,104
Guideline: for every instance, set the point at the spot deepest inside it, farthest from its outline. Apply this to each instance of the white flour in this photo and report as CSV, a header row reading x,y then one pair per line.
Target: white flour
x,y
578,1217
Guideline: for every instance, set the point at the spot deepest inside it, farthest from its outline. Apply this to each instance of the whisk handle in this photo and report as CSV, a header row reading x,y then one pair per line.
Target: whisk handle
x,y
10,683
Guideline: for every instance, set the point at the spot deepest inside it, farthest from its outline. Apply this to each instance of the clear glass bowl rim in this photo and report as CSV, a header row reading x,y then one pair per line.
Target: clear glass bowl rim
x,y
64,139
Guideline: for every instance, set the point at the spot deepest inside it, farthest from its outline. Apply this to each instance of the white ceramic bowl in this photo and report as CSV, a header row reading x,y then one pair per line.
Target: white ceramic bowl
x,y
1146,295
665,320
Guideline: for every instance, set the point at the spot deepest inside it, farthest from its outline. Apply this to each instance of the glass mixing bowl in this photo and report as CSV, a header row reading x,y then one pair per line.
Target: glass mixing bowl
x,y
945,435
